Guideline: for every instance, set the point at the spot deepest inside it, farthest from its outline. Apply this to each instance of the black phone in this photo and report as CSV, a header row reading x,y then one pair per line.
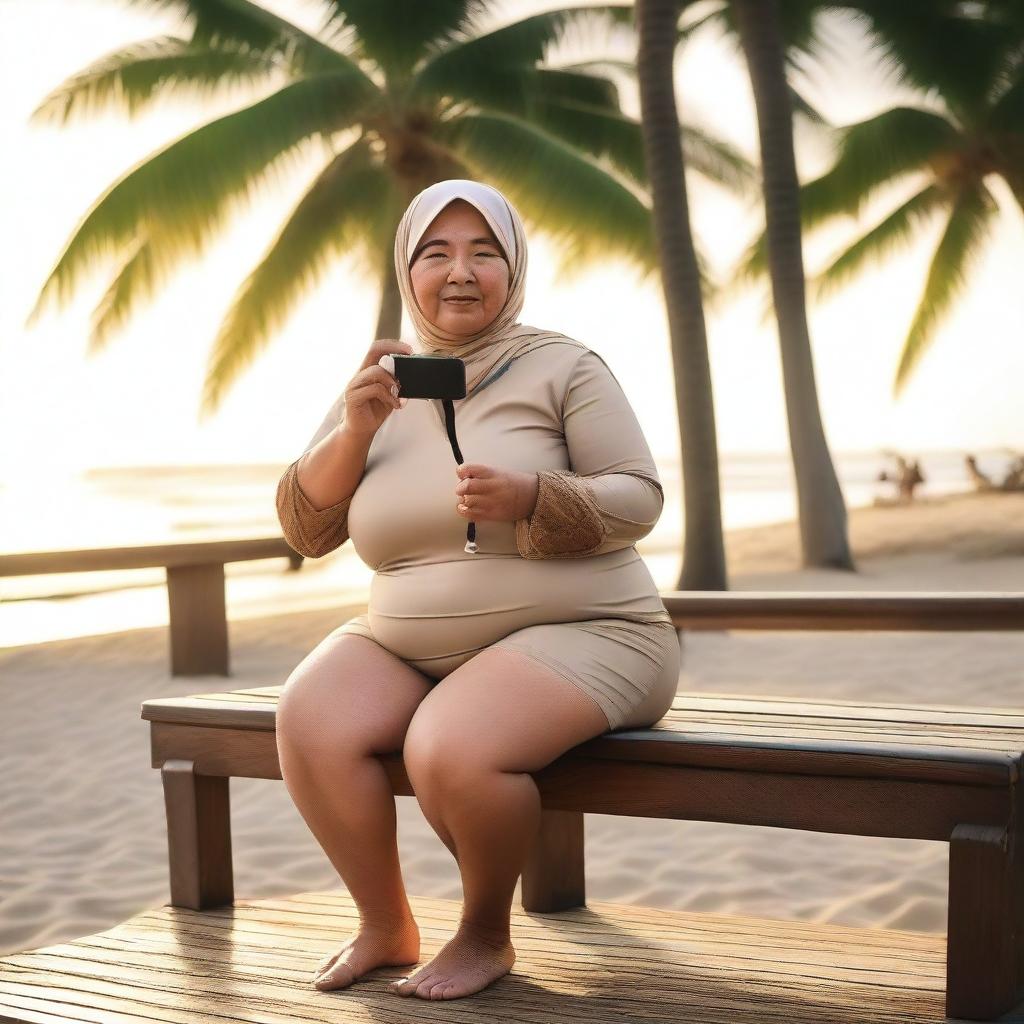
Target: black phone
x,y
430,376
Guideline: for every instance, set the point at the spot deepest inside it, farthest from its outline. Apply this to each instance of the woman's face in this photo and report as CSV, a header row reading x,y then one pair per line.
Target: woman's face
x,y
458,255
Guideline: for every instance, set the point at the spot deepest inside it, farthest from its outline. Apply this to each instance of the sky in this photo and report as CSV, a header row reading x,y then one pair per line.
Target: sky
x,y
137,402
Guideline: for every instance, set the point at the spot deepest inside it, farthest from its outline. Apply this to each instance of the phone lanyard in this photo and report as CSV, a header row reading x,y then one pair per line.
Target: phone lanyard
x,y
449,423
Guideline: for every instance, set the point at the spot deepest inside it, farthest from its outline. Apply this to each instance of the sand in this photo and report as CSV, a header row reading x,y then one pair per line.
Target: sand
x,y
84,845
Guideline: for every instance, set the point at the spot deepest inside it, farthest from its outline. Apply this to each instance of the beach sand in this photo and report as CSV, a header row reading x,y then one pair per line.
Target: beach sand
x,y
84,845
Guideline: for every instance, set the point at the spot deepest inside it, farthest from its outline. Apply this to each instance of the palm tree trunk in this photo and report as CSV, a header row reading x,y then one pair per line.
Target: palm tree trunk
x,y
821,509
703,547
389,318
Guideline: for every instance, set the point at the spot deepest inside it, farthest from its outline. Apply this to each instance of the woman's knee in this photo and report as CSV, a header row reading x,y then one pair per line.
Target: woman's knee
x,y
348,696
502,711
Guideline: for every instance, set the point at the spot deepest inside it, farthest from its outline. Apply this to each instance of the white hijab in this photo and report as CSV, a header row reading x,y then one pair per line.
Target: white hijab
x,y
490,350
488,353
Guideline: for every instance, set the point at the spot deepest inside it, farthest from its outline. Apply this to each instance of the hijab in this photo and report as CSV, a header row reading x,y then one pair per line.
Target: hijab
x,y
489,352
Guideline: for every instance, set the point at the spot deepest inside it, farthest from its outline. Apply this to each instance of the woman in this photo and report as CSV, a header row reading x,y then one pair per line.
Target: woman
x,y
550,634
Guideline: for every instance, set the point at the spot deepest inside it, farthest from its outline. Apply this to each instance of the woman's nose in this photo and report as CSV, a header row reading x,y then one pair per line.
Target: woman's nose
x,y
460,270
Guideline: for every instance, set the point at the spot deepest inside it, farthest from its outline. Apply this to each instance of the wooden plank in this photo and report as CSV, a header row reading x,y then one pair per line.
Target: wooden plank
x,y
842,610
1005,723
604,963
198,620
850,804
198,836
144,556
704,705
553,876
974,755
985,964
253,754
898,711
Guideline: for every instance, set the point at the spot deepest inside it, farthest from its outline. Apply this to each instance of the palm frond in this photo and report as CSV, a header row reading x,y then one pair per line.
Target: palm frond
x,y
915,38
599,66
242,23
516,46
586,210
965,232
872,154
690,24
352,208
898,228
802,107
717,160
1007,111
396,34
131,78
137,280
182,194
528,91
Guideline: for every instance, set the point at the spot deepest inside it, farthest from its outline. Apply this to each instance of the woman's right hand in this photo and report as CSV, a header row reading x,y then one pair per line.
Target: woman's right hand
x,y
368,398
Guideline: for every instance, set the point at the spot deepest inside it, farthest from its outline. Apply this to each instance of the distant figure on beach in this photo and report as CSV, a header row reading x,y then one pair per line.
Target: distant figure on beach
x,y
1012,481
907,476
980,480
480,665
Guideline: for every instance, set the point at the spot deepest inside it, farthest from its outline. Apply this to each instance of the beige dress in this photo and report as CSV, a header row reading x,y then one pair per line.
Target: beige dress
x,y
566,586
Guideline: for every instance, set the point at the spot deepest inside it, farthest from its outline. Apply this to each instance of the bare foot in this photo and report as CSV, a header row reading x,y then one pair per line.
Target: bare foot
x,y
467,963
371,946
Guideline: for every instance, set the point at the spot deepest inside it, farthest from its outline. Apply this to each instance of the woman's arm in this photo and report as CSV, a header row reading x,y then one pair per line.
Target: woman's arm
x,y
314,494
612,496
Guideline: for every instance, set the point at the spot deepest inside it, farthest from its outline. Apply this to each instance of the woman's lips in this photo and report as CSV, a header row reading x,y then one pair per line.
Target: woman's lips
x,y
461,302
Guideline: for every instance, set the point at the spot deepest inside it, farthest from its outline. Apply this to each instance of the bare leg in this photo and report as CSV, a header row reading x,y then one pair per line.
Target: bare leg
x,y
346,702
469,750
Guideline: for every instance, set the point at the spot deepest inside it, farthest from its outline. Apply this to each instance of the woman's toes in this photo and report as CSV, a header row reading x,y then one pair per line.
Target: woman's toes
x,y
438,990
339,976
403,987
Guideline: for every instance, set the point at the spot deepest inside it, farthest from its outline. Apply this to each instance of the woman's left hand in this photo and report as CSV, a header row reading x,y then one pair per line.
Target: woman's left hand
x,y
493,493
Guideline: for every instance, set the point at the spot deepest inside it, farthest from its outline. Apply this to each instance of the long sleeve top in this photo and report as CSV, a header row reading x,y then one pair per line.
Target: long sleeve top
x,y
576,514
558,411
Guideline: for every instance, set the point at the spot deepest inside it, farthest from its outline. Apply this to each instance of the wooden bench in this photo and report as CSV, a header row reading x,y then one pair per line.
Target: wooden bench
x,y
921,772
915,772
195,587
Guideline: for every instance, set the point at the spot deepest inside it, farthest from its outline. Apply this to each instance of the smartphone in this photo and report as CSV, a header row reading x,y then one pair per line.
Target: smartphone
x,y
425,376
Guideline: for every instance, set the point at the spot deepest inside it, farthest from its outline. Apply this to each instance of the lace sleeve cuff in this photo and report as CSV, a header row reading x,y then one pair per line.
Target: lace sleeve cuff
x,y
310,531
566,521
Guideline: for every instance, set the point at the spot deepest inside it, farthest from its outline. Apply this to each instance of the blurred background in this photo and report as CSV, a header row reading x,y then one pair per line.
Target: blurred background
x,y
100,410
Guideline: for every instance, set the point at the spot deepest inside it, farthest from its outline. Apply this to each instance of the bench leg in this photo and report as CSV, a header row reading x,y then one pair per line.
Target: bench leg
x,y
985,928
198,837
199,620
553,876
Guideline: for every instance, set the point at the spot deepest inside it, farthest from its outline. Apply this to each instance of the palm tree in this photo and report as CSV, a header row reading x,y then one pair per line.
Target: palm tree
x,y
397,95
942,153
822,510
704,553
774,37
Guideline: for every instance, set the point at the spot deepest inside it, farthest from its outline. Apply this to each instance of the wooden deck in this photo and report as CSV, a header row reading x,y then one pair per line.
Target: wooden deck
x,y
254,961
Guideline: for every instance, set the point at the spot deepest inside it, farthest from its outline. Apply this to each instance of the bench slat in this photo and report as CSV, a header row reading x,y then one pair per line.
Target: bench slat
x,y
842,610
764,734
192,727
144,556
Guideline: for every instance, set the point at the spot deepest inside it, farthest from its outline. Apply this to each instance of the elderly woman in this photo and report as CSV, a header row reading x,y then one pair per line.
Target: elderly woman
x,y
481,668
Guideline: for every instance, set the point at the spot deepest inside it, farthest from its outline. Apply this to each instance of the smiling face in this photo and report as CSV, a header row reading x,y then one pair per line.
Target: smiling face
x,y
458,255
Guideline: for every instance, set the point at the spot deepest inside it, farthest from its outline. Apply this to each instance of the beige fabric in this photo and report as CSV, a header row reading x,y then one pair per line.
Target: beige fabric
x,y
558,411
567,585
